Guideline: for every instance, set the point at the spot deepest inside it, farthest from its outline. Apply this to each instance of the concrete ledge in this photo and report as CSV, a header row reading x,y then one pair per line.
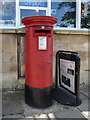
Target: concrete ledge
x,y
66,32
8,31
73,32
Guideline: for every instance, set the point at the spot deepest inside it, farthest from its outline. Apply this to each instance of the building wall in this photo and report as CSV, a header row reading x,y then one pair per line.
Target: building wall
x,y
74,41
9,60
0,61
63,40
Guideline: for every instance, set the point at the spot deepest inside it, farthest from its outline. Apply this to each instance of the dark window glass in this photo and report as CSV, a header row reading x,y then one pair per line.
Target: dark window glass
x,y
65,12
26,13
85,14
8,14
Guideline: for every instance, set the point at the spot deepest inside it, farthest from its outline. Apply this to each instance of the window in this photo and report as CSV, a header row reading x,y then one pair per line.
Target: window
x,y
31,8
8,13
26,13
71,14
85,14
65,12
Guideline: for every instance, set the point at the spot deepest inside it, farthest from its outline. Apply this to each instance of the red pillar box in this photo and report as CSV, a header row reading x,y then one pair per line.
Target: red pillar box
x,y
39,60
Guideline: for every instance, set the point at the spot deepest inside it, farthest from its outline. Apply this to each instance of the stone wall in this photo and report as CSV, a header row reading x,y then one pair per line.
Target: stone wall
x,y
74,41
63,40
0,61
9,60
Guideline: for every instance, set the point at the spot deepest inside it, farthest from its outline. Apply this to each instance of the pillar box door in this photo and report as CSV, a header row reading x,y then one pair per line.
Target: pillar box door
x,y
39,60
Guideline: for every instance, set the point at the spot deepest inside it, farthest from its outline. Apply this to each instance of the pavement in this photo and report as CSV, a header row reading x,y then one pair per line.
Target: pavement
x,y
15,108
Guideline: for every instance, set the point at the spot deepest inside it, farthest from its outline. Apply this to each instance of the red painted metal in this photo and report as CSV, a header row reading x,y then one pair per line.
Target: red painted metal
x,y
39,63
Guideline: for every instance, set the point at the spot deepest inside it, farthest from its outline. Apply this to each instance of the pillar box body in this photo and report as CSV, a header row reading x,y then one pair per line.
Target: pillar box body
x,y
39,60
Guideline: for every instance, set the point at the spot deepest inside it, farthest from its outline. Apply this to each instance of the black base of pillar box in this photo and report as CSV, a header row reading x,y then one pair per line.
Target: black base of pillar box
x,y
38,97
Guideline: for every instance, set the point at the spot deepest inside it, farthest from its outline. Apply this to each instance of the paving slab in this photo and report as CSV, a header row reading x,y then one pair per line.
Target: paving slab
x,y
85,89
84,105
14,106
0,108
14,116
70,113
11,103
25,119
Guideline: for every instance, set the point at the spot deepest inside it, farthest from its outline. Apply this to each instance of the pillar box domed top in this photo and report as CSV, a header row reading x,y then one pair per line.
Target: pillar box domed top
x,y
39,20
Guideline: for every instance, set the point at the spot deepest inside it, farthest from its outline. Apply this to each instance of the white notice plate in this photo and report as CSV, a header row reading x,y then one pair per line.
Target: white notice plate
x,y
42,43
67,74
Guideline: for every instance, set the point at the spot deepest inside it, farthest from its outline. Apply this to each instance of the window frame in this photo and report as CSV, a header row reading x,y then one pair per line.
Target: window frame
x,y
48,13
19,8
31,8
